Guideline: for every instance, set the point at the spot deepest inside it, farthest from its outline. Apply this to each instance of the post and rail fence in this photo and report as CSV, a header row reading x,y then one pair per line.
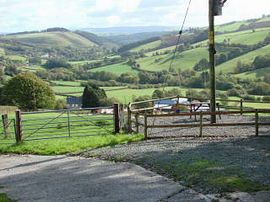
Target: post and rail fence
x,y
201,124
138,110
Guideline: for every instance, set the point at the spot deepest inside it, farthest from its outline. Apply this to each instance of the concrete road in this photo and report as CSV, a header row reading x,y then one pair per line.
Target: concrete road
x,y
62,178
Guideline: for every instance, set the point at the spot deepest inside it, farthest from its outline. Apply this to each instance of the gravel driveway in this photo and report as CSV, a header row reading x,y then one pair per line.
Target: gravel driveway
x,y
62,178
237,158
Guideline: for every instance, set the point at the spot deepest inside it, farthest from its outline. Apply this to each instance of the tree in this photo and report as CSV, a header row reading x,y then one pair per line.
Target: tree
x,y
157,94
93,96
203,64
56,62
29,92
1,75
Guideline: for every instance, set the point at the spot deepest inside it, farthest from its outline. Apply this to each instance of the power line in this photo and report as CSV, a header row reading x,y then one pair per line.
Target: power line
x,y
180,34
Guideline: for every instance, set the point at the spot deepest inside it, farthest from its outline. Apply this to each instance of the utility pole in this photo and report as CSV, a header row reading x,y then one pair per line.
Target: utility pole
x,y
212,53
215,9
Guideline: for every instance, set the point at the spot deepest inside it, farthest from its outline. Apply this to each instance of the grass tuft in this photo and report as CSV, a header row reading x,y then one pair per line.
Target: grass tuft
x,y
237,183
4,198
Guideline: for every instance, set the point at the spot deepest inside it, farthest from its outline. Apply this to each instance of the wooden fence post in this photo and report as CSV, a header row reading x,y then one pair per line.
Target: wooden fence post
x,y
241,106
5,124
201,124
116,118
19,131
256,123
129,128
137,122
145,127
69,127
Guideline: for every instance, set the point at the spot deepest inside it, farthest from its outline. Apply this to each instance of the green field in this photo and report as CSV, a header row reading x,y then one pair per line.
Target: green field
x,y
67,89
32,68
147,46
245,37
52,39
16,58
2,51
117,69
67,83
228,67
126,95
256,74
83,62
184,60
230,27
265,19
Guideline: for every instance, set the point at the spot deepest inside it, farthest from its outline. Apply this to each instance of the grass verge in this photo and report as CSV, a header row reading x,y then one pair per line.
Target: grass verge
x,y
209,176
67,145
4,198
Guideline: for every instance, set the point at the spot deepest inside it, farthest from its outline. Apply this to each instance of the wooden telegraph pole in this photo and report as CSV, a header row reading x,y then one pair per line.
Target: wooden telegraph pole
x,y
215,9
212,53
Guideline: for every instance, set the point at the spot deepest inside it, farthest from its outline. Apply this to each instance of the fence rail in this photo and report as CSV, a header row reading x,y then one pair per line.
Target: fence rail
x,y
136,108
201,123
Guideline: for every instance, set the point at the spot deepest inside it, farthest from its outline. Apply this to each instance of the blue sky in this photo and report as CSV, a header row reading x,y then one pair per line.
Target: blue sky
x,y
21,15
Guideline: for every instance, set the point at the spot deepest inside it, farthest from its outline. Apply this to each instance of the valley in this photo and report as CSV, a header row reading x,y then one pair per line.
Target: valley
x,y
67,60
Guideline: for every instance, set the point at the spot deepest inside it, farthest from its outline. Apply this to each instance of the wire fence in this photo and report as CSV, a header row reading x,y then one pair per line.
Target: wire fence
x,y
7,131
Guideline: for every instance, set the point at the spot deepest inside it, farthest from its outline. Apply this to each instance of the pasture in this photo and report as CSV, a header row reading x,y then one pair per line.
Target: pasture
x,y
229,67
66,83
54,39
184,60
67,89
230,27
147,46
256,74
117,69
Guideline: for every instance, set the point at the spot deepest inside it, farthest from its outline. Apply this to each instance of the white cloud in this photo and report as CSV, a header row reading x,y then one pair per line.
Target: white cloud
x,y
21,15
120,5
113,20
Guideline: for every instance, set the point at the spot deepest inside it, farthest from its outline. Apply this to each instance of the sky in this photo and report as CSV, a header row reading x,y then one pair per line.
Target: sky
x,y
27,15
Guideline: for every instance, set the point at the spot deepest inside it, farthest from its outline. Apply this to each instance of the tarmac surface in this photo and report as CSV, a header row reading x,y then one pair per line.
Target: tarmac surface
x,y
62,178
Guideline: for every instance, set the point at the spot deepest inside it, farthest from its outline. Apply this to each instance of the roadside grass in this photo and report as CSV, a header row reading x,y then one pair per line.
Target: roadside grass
x,y
4,198
68,145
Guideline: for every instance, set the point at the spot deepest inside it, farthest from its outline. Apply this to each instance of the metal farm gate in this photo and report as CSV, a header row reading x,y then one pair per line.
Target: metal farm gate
x,y
66,123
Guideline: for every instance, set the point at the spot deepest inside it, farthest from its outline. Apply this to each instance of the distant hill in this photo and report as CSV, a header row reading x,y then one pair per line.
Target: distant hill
x,y
126,39
102,41
51,39
128,30
237,32
236,42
